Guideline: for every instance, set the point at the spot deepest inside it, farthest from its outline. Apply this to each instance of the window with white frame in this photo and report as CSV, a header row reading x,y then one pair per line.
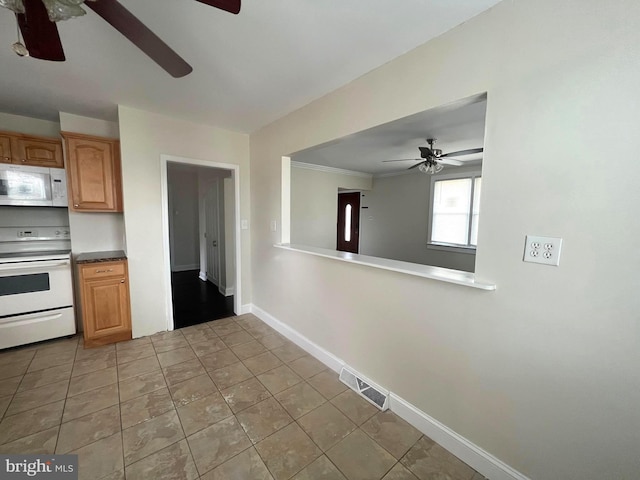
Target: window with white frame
x,y
455,210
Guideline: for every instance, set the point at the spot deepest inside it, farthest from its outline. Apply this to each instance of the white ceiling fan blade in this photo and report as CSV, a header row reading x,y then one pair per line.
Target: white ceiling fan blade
x,y
404,160
449,161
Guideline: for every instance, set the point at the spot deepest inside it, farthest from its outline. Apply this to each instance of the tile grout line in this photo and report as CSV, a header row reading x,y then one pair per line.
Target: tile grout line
x,y
175,409
233,414
4,414
124,466
303,380
271,395
64,406
294,420
186,439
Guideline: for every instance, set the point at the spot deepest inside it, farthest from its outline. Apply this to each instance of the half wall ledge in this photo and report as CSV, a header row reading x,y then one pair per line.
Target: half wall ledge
x,y
466,279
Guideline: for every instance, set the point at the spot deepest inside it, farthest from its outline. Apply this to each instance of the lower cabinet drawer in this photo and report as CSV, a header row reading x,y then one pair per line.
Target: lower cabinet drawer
x,y
105,269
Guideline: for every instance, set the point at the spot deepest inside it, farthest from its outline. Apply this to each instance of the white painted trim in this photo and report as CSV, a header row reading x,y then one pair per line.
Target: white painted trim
x,y
452,248
202,276
184,268
285,201
237,304
473,174
166,243
330,360
235,176
226,291
246,308
212,280
474,456
458,277
323,168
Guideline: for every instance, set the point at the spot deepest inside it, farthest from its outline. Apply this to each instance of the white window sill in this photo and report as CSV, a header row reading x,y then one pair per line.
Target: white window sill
x,y
458,277
451,248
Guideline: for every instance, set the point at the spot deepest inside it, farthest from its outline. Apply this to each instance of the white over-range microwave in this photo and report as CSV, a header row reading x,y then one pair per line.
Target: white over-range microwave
x,y
22,185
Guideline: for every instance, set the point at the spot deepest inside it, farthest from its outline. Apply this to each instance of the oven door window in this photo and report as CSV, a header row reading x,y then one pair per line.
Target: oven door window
x,y
17,284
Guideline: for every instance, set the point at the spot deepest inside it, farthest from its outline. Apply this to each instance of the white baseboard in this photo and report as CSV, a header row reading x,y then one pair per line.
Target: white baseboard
x,y
330,360
184,268
226,291
246,308
474,456
202,276
482,461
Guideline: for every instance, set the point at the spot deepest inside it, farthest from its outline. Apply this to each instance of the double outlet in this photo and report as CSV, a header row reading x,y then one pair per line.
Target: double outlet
x,y
545,250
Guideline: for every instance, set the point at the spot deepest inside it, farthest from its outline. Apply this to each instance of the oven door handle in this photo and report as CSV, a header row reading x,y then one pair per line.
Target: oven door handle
x,y
17,266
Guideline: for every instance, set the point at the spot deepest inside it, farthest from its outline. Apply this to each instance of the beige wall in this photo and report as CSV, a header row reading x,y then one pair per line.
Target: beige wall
x,y
395,223
93,232
543,372
32,126
314,204
144,137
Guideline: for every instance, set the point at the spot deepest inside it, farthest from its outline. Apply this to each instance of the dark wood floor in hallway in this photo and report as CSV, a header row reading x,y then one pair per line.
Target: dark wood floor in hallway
x,y
195,301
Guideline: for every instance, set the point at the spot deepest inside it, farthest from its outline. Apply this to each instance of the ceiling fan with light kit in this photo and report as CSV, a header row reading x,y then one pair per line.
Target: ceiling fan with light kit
x,y
37,25
432,160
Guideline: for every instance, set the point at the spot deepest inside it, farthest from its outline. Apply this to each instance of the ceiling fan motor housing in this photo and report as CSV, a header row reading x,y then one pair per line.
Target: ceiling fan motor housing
x,y
428,153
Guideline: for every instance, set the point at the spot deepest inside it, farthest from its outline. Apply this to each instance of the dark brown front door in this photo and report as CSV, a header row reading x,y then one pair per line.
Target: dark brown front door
x,y
348,222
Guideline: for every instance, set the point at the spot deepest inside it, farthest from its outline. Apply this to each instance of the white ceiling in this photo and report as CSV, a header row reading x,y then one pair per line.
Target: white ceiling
x,y
458,126
249,69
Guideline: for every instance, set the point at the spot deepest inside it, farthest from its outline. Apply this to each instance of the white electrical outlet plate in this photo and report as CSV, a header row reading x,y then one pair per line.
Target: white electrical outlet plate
x,y
545,250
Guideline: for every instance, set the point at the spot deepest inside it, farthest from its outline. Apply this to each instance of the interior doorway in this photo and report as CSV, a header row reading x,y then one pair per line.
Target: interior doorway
x,y
201,223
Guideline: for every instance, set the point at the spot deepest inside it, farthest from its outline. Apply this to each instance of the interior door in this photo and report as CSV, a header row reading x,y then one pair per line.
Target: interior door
x,y
348,222
212,234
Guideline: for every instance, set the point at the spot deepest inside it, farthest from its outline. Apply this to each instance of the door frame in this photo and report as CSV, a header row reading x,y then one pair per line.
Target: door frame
x,y
235,176
215,184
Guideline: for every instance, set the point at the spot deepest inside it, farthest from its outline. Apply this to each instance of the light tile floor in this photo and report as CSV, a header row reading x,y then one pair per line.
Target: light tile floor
x,y
229,399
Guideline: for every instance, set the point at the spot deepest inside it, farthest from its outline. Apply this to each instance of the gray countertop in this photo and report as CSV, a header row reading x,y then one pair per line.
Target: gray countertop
x,y
96,257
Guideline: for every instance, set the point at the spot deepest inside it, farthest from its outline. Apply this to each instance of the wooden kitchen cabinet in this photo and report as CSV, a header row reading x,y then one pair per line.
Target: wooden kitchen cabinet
x,y
31,150
39,152
5,148
106,312
93,173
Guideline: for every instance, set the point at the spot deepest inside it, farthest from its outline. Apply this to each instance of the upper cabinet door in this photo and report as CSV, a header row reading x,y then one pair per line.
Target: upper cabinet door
x,y
41,152
5,148
93,172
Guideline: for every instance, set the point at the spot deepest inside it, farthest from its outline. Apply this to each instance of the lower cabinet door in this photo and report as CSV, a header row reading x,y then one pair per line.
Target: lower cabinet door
x,y
106,313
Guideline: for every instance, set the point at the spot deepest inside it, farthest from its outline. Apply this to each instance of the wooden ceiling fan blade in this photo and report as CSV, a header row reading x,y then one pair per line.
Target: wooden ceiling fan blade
x,y
39,33
471,151
231,6
141,36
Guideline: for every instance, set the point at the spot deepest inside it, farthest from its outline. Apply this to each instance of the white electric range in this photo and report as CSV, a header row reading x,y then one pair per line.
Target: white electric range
x,y
36,286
